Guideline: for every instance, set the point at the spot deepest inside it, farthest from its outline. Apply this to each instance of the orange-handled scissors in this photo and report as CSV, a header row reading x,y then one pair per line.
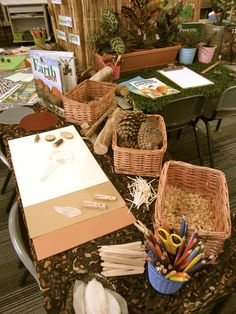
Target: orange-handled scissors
x,y
171,240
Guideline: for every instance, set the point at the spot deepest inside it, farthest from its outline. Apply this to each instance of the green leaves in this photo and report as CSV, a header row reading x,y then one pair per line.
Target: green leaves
x,y
109,22
117,44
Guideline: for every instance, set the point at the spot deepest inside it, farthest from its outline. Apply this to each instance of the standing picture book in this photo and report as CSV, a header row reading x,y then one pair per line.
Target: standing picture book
x,y
54,74
153,88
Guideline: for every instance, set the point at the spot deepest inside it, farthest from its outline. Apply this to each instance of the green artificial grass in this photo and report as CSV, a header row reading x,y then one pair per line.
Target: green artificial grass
x,y
222,81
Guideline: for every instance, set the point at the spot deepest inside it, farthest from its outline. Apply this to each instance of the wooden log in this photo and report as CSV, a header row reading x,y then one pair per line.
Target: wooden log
x,y
103,140
102,74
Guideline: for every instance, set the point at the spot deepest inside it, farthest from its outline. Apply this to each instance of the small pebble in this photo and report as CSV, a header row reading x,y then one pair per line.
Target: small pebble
x,y
50,137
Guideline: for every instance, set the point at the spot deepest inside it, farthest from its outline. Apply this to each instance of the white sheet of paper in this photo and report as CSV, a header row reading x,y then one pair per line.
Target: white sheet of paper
x,y
186,78
39,179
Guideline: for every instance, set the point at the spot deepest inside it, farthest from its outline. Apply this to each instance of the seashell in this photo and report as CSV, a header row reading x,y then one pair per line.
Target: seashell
x,y
68,211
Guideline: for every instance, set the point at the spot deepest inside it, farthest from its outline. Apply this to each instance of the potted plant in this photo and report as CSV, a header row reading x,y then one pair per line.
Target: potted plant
x,y
138,28
206,48
217,19
189,39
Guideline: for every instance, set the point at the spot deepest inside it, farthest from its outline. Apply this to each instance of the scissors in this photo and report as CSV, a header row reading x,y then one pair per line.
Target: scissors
x,y
171,240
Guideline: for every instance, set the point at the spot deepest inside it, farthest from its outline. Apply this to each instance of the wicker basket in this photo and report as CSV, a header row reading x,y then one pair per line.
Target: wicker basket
x,y
140,162
76,109
208,183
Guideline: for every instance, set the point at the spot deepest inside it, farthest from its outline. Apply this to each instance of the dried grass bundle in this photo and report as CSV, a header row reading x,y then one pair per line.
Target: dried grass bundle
x,y
196,208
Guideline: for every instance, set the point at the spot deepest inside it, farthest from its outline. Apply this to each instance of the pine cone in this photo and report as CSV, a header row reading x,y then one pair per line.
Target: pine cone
x,y
128,128
149,136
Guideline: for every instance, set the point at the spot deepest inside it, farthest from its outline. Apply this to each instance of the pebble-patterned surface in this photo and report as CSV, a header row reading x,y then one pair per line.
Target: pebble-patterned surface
x,y
58,273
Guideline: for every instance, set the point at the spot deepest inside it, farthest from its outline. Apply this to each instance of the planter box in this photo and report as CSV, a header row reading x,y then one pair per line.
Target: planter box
x,y
144,58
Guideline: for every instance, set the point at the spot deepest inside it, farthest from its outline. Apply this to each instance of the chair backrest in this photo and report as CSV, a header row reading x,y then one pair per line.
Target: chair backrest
x,y
227,103
182,111
15,222
3,158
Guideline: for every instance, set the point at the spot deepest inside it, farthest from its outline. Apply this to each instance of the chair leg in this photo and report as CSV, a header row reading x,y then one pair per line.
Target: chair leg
x,y
209,141
7,179
24,277
195,129
218,124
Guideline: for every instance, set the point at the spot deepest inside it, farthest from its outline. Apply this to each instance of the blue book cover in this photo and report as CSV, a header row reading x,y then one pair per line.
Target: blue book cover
x,y
133,89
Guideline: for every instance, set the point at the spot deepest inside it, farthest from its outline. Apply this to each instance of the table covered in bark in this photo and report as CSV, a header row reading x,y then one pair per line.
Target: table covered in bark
x,y
58,273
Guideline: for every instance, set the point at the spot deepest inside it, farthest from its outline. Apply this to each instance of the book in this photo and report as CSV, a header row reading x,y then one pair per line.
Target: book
x,y
153,88
66,61
7,87
54,74
24,95
133,89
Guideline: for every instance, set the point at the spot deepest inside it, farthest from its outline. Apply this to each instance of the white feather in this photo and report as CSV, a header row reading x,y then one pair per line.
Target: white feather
x,y
121,300
68,211
95,298
79,297
112,303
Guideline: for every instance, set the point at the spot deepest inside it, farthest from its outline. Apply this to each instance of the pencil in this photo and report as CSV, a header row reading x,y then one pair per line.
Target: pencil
x,y
194,261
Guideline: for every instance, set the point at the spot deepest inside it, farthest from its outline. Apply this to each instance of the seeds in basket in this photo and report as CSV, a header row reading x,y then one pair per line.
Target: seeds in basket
x,y
179,202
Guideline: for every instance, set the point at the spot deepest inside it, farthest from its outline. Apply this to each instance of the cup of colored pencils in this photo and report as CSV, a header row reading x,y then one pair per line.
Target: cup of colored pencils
x,y
39,36
172,259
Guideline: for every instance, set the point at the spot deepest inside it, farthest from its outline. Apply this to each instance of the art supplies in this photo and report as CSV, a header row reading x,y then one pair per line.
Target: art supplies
x,y
171,255
123,259
39,35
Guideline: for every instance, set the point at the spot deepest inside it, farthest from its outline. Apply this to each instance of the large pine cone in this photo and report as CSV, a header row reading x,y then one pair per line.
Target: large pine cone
x,y
149,136
128,128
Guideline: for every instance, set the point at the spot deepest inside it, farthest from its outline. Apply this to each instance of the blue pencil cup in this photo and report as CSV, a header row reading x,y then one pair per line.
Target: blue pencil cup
x,y
160,283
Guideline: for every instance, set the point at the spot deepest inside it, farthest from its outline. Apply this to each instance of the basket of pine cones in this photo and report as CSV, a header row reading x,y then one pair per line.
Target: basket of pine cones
x,y
139,143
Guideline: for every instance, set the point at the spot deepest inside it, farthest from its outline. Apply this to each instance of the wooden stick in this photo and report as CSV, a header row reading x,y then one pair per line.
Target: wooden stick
x,y
121,272
130,252
120,266
136,244
211,67
103,140
123,260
